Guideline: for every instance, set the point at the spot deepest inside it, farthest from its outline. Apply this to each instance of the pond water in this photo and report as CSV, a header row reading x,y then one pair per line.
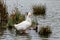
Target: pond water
x,y
11,35
32,35
52,19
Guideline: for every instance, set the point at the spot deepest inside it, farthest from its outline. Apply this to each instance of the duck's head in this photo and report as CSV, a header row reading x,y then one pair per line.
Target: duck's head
x,y
29,14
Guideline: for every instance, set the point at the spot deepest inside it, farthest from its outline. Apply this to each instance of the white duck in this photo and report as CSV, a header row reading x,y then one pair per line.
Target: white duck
x,y
25,24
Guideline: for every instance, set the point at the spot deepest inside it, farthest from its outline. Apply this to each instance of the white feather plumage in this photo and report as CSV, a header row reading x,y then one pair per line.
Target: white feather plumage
x,y
25,24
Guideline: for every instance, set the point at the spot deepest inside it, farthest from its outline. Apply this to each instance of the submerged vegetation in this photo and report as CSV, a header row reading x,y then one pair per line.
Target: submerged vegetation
x,y
39,10
34,24
45,31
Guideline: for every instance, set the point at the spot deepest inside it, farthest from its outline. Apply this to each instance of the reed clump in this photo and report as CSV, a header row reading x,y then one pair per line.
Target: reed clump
x,y
15,18
39,10
3,15
45,31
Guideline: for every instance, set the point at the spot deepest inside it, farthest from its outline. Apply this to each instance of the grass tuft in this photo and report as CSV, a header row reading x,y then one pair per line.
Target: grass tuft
x,y
45,31
39,10
15,18
3,15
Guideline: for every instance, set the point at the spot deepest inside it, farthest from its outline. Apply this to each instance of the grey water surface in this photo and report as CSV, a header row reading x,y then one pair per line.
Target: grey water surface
x,y
52,18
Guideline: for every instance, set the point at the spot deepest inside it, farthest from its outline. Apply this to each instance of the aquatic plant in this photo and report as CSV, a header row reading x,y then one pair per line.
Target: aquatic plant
x,y
15,18
45,31
3,15
18,16
34,26
39,10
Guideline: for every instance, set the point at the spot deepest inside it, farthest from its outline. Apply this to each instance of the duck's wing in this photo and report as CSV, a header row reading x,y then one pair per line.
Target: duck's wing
x,y
19,26
23,25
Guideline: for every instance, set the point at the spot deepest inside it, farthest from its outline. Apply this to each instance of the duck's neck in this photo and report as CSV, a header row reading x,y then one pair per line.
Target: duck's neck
x,y
28,19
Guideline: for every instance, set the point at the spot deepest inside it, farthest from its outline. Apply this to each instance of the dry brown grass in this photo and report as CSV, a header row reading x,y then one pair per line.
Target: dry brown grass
x,y
3,15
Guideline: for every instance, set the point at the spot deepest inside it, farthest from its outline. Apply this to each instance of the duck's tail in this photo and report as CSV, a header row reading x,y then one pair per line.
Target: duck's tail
x,y
15,25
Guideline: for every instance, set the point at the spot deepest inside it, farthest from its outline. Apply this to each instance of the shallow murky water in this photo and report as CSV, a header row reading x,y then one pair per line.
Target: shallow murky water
x,y
32,35
52,19
11,35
